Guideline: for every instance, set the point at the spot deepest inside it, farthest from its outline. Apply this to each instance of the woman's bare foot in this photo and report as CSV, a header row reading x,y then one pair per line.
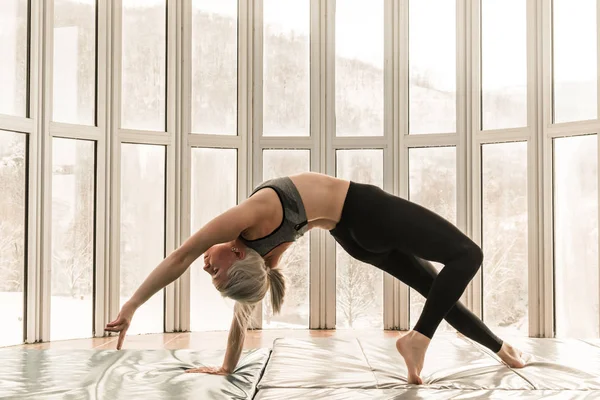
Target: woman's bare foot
x,y
412,348
511,356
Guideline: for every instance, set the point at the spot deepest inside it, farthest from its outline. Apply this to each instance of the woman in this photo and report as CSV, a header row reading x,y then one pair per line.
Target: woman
x,y
242,247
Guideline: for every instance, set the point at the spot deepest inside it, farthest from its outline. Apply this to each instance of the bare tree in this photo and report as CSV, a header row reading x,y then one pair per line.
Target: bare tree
x,y
12,211
356,292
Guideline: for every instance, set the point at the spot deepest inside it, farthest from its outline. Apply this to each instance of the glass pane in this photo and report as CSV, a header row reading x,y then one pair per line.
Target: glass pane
x,y
505,278
575,60
576,237
144,65
214,191
432,66
359,286
503,64
214,66
13,180
13,57
432,184
359,67
286,68
142,245
295,261
74,70
73,193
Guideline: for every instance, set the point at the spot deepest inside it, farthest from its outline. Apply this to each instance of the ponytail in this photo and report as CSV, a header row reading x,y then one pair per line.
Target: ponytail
x,y
277,287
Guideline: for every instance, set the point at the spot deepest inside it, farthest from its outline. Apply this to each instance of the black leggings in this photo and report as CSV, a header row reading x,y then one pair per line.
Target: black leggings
x,y
397,236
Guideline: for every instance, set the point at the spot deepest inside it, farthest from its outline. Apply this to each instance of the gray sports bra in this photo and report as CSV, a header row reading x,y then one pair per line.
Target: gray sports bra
x,y
294,223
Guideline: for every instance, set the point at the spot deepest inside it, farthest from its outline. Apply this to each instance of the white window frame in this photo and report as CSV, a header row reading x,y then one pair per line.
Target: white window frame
x,y
260,143
168,138
30,125
249,143
548,132
391,289
189,140
481,137
50,130
459,139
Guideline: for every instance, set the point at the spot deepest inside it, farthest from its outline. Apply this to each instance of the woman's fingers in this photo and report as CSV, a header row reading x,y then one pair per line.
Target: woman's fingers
x,y
117,321
207,370
201,370
120,325
121,339
117,328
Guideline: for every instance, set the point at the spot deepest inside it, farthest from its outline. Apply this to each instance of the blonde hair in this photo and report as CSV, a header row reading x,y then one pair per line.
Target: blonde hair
x,y
248,281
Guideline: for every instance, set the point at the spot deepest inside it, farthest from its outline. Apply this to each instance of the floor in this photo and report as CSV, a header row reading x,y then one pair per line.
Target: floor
x,y
205,340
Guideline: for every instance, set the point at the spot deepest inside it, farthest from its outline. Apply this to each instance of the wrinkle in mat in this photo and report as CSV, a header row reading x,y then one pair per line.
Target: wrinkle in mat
x,y
450,363
317,363
559,364
125,374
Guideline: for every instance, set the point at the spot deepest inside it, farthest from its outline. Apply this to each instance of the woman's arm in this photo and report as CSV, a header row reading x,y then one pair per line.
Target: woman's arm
x,y
235,345
226,227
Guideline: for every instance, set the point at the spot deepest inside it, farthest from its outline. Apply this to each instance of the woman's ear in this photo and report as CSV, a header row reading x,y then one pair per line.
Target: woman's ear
x,y
239,249
240,253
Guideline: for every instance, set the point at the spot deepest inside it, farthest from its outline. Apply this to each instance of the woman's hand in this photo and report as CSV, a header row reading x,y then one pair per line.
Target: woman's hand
x,y
208,370
121,324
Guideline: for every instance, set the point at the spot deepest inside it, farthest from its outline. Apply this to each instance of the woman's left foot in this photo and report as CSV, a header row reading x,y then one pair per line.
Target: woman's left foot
x,y
511,356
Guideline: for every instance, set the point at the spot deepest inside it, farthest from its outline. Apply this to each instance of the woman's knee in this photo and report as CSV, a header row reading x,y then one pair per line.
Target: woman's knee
x,y
475,254
468,258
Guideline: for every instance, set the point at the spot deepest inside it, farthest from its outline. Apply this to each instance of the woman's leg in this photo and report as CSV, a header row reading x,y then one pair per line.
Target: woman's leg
x,y
375,225
381,222
420,275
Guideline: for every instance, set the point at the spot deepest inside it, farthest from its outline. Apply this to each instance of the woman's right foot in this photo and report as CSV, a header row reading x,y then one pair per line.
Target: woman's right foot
x,y
412,347
511,356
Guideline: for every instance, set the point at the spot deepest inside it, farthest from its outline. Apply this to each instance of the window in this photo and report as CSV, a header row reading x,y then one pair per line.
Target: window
x,y
13,180
73,195
359,286
214,191
214,66
286,68
13,57
432,66
503,64
432,184
359,74
295,260
144,65
575,63
577,289
142,237
505,266
74,70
